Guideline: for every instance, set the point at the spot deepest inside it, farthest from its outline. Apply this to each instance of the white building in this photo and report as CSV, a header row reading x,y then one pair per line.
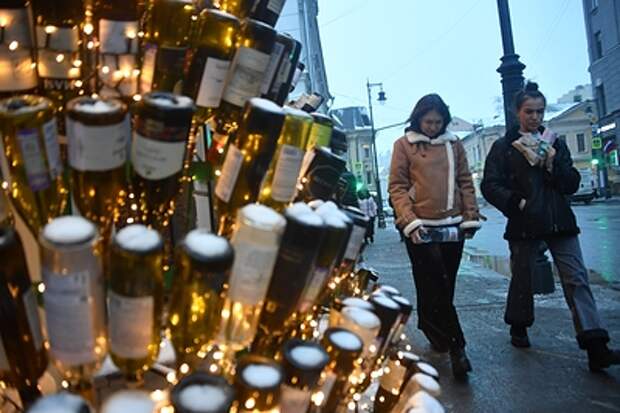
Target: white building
x,y
299,19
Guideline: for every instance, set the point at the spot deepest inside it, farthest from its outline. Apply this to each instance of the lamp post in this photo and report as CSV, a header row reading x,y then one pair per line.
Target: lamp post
x,y
381,98
511,68
511,71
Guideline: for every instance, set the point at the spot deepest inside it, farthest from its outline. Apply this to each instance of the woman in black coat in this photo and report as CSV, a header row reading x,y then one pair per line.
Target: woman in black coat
x,y
529,176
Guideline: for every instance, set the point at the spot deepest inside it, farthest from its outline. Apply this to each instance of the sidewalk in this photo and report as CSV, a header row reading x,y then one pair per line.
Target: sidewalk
x,y
551,376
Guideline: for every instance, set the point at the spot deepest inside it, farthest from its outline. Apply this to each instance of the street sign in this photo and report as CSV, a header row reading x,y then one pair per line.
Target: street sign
x,y
597,143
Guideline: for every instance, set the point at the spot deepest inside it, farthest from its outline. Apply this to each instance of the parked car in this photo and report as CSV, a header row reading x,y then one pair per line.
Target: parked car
x,y
587,188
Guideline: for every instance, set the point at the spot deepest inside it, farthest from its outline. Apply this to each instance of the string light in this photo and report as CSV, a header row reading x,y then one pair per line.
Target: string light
x,y
13,45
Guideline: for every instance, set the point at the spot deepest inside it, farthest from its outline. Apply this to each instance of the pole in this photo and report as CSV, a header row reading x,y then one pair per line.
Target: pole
x,y
511,71
511,68
380,215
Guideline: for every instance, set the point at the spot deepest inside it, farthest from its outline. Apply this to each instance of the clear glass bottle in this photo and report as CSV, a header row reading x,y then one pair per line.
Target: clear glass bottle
x,y
74,298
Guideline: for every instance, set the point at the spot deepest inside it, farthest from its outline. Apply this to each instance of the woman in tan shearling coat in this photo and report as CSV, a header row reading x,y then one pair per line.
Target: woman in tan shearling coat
x,y
431,186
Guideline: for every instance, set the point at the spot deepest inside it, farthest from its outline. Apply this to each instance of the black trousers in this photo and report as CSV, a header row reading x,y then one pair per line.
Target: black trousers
x,y
435,266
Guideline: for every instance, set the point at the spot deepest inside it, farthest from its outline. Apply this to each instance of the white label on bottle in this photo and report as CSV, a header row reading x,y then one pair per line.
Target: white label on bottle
x,y
328,385
97,148
286,173
4,361
118,37
16,26
294,400
112,86
246,76
70,313
147,73
282,75
130,325
355,242
230,171
52,148
17,71
251,272
61,39
32,156
393,380
313,289
275,6
274,63
156,159
308,158
212,83
32,314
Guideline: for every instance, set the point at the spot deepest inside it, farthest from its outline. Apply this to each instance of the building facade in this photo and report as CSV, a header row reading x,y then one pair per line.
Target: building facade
x,y
602,21
299,19
360,156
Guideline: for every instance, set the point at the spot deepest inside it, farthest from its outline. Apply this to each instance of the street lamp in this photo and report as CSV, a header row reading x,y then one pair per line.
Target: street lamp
x,y
381,98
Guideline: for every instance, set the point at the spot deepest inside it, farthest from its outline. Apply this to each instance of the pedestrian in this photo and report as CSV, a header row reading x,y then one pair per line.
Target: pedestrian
x,y
369,207
529,176
431,186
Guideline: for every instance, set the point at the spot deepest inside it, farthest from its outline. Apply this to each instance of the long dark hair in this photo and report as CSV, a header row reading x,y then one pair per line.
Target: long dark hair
x,y
529,91
426,104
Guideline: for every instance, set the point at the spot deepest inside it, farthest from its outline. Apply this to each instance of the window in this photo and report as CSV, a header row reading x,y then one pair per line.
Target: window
x,y
366,152
562,138
598,45
594,5
581,142
369,177
600,100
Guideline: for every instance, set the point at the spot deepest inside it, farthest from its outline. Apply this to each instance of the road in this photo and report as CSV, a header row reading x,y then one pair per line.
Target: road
x,y
600,238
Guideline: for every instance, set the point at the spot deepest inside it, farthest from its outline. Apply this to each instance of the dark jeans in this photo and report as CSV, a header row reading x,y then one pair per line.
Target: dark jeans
x,y
435,267
566,253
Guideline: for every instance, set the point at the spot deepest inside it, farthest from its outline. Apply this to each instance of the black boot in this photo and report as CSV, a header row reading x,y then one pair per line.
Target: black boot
x,y
600,356
518,337
460,363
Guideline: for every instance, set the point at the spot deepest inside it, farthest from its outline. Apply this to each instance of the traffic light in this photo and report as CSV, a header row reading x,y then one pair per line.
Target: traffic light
x,y
594,162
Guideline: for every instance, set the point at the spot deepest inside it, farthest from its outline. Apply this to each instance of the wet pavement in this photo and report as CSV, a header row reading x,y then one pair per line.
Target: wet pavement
x,y
551,376
600,236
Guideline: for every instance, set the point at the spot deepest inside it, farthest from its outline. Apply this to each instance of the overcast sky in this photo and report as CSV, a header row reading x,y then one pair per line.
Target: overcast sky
x,y
449,47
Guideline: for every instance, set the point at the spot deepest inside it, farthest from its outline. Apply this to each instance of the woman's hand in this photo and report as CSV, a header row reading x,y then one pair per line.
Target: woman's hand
x,y
417,234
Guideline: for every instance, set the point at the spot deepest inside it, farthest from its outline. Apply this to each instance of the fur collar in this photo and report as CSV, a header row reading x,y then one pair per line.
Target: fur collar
x,y
415,137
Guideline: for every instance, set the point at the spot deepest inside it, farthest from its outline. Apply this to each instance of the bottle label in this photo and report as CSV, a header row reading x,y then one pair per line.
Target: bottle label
x,y
212,83
313,289
147,73
286,173
4,360
328,385
16,27
32,314
32,156
393,380
275,6
355,243
126,315
282,76
118,74
274,62
153,159
97,148
118,37
230,172
52,148
246,76
70,310
294,400
17,71
58,57
251,272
